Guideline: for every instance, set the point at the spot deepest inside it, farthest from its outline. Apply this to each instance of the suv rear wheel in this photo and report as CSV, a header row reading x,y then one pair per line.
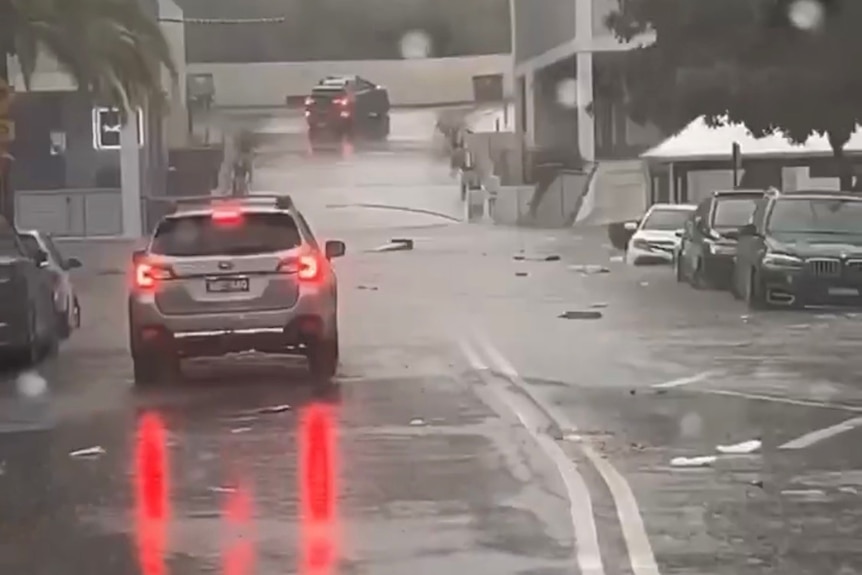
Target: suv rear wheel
x,y
153,365
323,358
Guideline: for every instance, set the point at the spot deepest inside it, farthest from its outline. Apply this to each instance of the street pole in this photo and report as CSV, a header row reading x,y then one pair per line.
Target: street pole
x,y
7,135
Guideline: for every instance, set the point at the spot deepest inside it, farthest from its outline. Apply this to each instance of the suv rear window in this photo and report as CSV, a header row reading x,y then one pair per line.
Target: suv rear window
x,y
256,233
327,92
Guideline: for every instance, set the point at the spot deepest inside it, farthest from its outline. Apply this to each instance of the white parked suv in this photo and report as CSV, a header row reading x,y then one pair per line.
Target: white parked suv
x,y
654,239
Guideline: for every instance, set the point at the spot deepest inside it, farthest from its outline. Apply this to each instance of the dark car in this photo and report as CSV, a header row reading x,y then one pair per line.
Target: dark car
x,y
28,327
801,248
707,247
346,106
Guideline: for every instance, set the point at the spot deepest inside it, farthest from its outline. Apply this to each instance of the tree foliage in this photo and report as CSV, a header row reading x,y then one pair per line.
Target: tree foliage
x,y
741,61
113,49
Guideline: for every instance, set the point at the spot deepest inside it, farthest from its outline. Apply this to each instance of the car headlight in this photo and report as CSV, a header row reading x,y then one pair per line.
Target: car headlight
x,y
777,260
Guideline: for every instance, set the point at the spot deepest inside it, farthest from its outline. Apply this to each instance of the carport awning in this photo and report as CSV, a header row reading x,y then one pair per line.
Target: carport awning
x,y
699,142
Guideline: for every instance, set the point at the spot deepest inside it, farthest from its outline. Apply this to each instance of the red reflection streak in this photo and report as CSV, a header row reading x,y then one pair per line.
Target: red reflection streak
x,y
239,555
318,491
152,506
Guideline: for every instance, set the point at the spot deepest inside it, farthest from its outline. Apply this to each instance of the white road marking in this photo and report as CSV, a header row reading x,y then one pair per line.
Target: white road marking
x,y
679,382
640,551
819,435
587,547
780,399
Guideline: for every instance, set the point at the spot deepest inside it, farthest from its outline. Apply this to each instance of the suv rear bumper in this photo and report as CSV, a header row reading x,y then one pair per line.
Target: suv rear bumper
x,y
273,331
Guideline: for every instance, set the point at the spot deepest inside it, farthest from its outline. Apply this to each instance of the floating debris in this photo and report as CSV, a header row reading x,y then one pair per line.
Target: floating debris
x,y
89,452
587,314
700,461
743,448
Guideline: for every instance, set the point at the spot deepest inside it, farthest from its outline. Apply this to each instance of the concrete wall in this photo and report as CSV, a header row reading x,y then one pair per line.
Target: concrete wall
x,y
541,25
410,82
335,30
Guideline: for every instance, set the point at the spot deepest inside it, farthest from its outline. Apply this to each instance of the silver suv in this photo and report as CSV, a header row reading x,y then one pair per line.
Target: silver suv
x,y
222,276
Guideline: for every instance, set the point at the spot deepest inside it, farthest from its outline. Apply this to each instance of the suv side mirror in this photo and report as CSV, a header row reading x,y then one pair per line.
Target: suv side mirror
x,y
334,249
748,231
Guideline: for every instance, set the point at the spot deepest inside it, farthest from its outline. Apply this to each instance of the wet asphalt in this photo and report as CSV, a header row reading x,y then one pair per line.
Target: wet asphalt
x,y
427,465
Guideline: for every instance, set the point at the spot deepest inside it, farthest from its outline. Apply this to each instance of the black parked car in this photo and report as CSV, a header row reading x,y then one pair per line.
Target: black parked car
x,y
801,248
707,247
347,106
28,322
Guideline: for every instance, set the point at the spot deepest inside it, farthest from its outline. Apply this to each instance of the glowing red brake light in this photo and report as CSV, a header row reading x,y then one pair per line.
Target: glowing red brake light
x,y
341,101
148,275
306,267
309,268
309,101
226,216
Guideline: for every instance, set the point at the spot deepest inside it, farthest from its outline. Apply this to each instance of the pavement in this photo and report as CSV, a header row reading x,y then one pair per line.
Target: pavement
x,y
512,401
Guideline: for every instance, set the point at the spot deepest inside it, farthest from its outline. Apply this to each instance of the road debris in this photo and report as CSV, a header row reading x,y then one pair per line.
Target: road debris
x,y
743,448
395,245
589,269
273,409
699,461
88,452
367,288
587,314
521,274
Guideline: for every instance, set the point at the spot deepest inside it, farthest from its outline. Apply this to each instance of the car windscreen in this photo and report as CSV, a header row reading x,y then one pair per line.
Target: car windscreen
x,y
820,215
665,220
253,233
731,213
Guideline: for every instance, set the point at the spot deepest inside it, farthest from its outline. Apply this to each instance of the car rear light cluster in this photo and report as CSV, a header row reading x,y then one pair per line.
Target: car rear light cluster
x,y
149,274
307,267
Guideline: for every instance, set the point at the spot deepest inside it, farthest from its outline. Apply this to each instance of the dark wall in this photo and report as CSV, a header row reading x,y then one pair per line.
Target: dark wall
x,y
36,115
343,29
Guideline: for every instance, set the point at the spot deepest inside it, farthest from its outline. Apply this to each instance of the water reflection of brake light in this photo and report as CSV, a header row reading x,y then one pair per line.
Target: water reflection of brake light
x,y
341,102
318,491
239,553
152,489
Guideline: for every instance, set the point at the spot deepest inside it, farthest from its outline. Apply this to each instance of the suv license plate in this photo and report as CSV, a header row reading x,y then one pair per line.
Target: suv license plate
x,y
227,285
843,291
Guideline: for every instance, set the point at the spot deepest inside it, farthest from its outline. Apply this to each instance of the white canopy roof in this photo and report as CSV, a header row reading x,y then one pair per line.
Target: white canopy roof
x,y
697,141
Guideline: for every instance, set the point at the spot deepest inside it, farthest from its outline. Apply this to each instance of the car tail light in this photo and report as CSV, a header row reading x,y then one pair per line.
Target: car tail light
x,y
341,102
309,101
149,274
307,267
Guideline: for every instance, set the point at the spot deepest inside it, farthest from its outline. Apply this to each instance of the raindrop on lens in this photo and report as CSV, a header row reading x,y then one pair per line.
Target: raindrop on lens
x,y
31,384
806,14
416,44
567,93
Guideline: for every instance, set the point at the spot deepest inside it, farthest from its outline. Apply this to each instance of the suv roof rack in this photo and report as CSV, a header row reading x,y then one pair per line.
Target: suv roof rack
x,y
734,191
281,202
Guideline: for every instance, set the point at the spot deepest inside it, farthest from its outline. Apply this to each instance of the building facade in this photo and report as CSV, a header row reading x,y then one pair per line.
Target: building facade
x,y
568,83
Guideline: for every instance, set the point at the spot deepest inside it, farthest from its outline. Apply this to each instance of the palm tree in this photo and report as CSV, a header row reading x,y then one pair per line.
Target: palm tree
x,y
112,49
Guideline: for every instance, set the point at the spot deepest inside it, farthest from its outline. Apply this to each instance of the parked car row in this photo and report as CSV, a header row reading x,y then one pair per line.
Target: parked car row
x,y
772,248
39,305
